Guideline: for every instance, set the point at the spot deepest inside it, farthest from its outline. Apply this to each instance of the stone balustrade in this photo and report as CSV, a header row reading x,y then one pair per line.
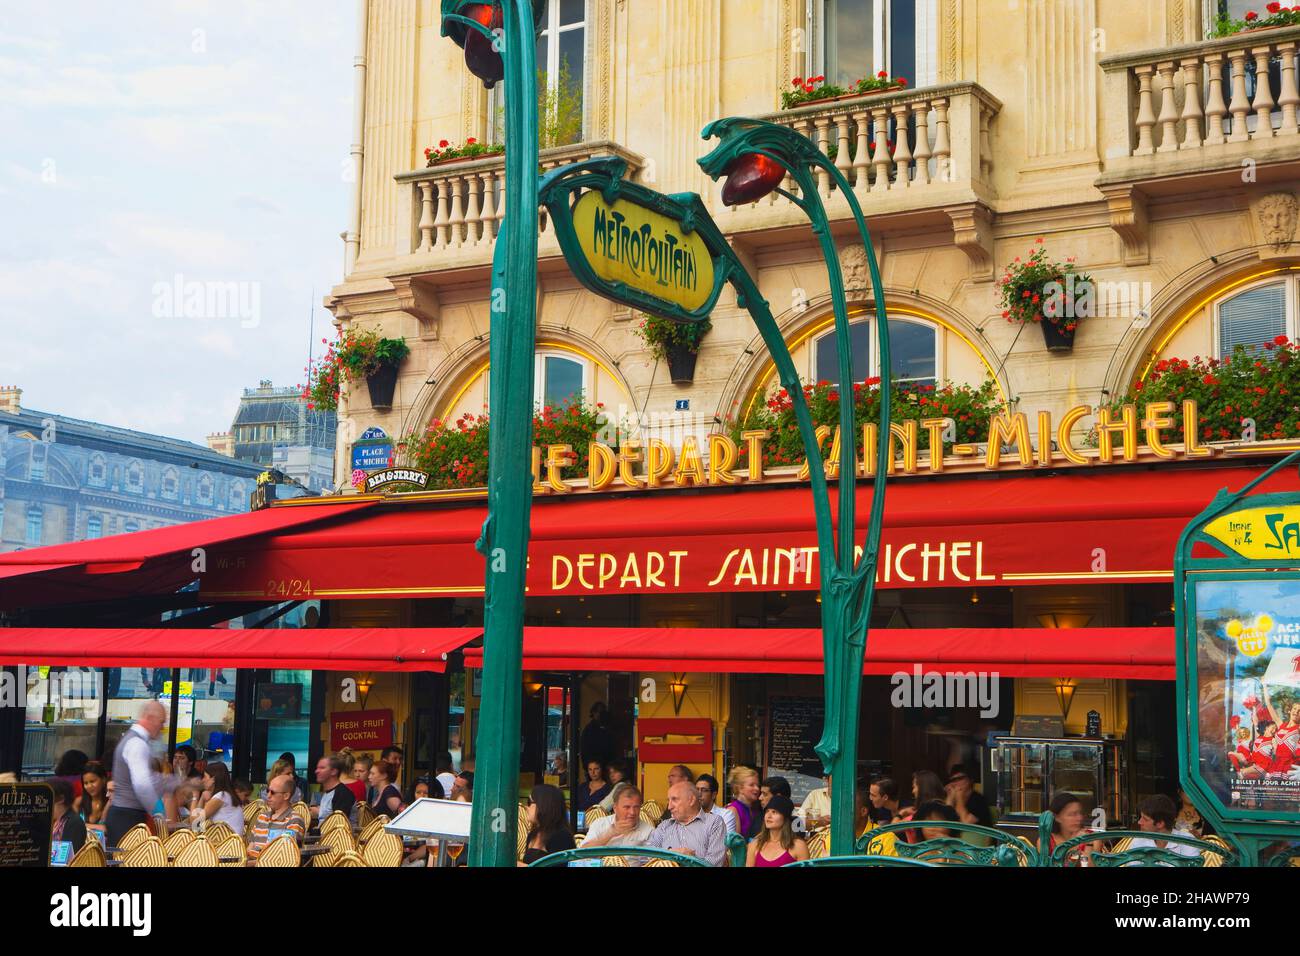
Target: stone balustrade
x,y
906,143
1180,106
457,207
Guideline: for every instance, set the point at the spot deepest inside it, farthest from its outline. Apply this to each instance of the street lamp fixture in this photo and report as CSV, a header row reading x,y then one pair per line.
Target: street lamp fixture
x,y
750,177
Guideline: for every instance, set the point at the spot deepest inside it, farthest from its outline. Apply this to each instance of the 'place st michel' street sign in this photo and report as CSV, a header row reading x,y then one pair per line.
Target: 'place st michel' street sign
x,y
633,245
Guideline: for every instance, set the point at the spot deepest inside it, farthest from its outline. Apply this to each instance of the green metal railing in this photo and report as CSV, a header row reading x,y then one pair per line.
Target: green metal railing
x,y
1003,849
565,857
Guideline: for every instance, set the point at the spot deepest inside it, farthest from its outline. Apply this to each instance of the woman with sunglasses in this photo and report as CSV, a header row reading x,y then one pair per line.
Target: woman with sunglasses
x,y
548,824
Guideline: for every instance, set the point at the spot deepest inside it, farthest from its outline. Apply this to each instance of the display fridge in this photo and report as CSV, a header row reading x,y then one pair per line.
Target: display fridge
x,y
1031,770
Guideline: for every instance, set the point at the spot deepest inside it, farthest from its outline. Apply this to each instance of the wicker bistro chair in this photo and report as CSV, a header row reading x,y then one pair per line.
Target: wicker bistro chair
x,y
148,852
252,808
383,849
281,852
217,833
819,845
232,851
133,837
614,861
339,841
521,840
370,829
592,814
349,858
338,820
303,813
177,842
365,813
197,853
90,854
1118,850
652,812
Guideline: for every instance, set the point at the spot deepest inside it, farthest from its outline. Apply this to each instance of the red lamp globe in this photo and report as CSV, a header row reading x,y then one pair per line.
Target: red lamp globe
x,y
480,56
751,177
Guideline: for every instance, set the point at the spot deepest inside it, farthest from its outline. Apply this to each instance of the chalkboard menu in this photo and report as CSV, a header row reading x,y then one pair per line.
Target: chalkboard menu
x,y
794,725
26,814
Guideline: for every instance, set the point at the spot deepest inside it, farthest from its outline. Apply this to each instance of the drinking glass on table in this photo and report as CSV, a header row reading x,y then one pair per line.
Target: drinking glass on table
x,y
454,850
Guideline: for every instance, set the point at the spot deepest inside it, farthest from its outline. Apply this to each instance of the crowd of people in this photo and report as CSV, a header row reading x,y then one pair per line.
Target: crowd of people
x,y
108,797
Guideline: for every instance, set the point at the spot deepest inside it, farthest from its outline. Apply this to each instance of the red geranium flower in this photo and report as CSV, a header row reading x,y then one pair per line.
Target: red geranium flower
x,y
1274,7
1252,15
443,143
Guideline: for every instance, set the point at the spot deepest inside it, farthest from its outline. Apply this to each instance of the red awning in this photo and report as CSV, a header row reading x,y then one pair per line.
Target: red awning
x,y
1139,653
157,561
331,649
1098,525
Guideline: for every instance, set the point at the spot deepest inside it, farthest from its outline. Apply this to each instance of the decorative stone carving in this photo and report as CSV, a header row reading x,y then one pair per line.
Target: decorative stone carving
x,y
1276,214
1128,217
853,263
972,230
420,300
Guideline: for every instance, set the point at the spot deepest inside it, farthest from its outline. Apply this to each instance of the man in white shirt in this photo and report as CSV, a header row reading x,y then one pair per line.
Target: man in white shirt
x,y
1156,815
706,785
624,827
137,785
815,811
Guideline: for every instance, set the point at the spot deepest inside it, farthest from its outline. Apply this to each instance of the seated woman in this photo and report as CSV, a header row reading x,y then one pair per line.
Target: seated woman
x,y
548,824
67,825
388,799
596,788
92,805
1068,811
776,844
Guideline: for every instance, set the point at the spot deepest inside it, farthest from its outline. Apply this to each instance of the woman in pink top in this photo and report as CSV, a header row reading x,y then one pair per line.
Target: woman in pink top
x,y
776,844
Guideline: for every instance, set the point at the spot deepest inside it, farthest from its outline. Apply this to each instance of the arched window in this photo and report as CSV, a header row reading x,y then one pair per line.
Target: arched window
x,y
39,454
132,526
205,490
94,527
1255,316
135,477
98,472
913,352
171,484
238,500
561,376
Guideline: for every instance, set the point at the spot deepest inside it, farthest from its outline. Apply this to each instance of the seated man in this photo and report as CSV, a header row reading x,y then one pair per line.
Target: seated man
x,y
688,829
624,827
815,811
1156,815
277,819
773,787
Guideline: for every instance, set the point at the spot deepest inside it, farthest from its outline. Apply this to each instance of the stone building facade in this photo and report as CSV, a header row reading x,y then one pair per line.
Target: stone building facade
x,y
63,479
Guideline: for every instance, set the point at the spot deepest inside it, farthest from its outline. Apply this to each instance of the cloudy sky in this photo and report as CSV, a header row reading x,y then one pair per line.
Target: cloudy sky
x,y
161,145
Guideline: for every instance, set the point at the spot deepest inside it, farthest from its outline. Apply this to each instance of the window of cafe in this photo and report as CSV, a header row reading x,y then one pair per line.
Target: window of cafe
x,y
1255,316
561,66
913,352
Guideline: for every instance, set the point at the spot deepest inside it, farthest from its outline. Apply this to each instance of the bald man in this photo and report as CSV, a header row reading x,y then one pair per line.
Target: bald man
x,y
136,785
688,829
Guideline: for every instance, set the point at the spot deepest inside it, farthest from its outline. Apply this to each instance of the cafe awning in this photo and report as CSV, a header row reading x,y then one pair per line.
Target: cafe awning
x,y
1138,653
329,649
157,561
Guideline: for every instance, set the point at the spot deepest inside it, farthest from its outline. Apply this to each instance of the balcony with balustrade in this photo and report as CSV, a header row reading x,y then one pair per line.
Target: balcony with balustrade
x,y
914,158
1187,120
451,214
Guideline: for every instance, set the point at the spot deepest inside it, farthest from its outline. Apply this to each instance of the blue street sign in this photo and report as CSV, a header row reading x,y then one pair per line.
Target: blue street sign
x,y
683,404
372,456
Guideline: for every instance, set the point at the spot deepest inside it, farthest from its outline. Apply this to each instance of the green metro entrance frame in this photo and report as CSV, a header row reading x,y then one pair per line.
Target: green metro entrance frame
x,y
1249,831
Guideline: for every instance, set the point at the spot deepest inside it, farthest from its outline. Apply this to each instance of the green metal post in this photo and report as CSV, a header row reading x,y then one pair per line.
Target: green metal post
x,y
504,541
847,588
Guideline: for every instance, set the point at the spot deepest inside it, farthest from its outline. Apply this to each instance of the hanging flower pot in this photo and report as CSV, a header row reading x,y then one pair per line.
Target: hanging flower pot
x,y
676,341
681,364
382,383
1057,339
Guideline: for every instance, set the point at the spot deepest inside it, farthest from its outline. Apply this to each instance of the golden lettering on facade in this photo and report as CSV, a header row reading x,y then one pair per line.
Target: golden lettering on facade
x,y
1014,429
538,487
601,466
557,457
659,462
934,429
722,458
1063,441
1126,428
1044,438
1159,416
629,453
822,433
690,468
754,439
1192,447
